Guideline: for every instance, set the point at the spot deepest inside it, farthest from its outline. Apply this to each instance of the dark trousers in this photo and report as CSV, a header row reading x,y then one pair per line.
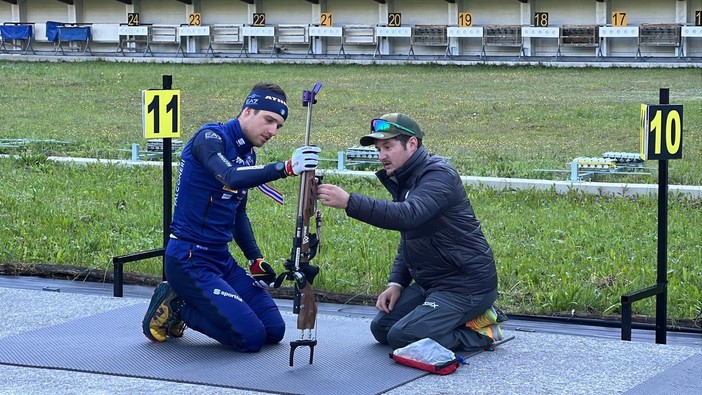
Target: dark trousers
x,y
221,300
440,315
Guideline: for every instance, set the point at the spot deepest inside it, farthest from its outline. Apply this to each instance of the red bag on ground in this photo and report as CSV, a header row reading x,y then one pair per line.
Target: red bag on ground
x,y
427,355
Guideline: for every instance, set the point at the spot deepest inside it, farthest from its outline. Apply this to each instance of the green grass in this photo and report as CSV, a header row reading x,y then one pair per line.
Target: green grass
x,y
566,254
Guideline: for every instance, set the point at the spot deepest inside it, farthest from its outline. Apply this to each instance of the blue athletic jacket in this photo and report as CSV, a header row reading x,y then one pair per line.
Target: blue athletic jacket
x,y
217,167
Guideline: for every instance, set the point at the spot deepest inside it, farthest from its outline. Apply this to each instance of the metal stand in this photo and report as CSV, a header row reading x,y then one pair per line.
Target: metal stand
x,y
118,261
660,290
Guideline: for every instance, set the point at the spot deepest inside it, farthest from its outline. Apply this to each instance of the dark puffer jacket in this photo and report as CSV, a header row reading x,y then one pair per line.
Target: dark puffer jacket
x,y
442,246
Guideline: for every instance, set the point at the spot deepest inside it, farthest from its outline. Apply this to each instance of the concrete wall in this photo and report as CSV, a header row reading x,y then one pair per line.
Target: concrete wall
x,y
107,14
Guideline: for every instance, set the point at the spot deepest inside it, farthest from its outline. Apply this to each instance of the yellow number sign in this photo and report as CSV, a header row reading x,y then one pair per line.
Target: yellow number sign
x,y
661,131
619,18
326,19
465,19
161,113
195,19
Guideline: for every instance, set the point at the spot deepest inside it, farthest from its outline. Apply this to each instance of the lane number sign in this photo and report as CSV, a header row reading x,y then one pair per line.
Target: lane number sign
x,y
661,131
161,113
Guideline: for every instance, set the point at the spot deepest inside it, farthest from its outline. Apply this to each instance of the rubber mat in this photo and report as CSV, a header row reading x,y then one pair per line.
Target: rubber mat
x,y
346,360
674,381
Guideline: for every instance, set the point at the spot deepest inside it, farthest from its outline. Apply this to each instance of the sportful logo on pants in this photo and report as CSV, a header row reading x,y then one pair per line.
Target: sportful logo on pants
x,y
219,292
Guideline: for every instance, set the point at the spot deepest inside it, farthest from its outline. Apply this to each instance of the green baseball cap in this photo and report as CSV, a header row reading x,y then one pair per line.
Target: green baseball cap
x,y
391,125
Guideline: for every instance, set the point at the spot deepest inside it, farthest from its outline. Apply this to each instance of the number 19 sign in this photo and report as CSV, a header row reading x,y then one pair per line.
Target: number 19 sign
x,y
161,113
661,131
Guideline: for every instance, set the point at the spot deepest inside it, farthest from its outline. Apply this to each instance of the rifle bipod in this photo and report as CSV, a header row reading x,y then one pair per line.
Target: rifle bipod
x,y
294,344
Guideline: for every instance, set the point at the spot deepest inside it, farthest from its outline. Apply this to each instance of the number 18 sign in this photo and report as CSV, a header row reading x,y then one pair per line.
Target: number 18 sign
x,y
161,113
661,131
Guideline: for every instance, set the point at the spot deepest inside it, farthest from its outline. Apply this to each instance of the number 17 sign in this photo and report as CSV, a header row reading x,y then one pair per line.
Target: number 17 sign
x,y
161,113
661,131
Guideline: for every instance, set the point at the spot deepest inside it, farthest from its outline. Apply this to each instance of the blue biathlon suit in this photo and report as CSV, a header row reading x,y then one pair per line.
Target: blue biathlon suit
x,y
206,289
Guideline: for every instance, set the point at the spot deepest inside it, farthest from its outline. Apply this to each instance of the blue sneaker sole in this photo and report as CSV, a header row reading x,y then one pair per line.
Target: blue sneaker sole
x,y
159,296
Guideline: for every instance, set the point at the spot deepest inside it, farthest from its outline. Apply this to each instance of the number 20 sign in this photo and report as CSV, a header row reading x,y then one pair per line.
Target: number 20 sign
x,y
161,113
661,131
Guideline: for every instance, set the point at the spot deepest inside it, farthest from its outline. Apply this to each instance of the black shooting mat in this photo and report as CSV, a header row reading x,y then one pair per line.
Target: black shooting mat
x,y
346,360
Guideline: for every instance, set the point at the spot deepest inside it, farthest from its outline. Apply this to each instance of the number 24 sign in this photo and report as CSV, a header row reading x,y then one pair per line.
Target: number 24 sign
x,y
661,131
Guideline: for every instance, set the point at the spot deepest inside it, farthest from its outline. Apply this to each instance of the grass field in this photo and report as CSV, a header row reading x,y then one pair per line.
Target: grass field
x,y
570,254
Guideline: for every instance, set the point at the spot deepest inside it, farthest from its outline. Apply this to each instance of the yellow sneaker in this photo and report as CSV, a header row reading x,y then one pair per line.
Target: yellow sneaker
x,y
493,331
486,319
160,315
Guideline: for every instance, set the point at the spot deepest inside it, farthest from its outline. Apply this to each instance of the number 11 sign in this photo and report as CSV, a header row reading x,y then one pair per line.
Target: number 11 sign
x,y
161,113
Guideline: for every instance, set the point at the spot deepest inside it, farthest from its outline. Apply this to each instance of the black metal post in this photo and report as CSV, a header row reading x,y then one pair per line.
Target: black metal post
x,y
662,280
167,185
660,290
119,261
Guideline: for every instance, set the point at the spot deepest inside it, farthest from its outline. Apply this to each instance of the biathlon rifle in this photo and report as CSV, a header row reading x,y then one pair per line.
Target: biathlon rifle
x,y
305,244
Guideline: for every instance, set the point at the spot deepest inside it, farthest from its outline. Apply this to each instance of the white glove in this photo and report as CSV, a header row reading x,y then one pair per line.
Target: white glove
x,y
303,159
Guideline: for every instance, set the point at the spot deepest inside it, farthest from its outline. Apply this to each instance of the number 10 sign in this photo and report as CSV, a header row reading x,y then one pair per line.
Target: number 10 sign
x,y
161,113
661,131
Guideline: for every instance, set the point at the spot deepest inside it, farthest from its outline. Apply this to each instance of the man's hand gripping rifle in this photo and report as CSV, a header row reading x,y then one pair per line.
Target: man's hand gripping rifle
x,y
298,267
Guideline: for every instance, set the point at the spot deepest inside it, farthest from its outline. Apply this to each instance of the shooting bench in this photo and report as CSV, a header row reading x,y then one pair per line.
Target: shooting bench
x,y
428,36
16,35
383,34
616,32
75,36
502,36
455,33
320,32
224,37
161,35
685,32
579,36
357,35
190,34
251,33
535,32
291,35
658,35
132,37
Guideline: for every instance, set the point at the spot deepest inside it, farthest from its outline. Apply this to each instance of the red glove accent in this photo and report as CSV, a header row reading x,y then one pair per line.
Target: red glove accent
x,y
262,273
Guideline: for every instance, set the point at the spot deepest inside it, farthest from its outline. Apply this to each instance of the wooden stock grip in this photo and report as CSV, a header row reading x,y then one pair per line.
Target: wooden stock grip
x,y
308,206
308,309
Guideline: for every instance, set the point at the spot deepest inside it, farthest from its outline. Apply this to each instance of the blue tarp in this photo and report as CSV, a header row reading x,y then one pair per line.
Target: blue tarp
x,y
16,32
52,30
74,33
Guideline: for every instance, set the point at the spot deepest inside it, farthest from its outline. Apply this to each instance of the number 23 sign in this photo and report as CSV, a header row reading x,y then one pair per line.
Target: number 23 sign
x,y
661,131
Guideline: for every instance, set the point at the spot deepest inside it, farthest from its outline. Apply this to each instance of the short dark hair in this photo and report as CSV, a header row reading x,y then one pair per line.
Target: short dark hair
x,y
403,139
269,86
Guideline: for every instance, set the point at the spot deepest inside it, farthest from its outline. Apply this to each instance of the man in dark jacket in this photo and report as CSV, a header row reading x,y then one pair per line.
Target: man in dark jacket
x,y
443,282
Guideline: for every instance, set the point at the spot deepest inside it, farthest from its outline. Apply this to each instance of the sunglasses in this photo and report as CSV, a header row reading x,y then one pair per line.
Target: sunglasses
x,y
381,125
